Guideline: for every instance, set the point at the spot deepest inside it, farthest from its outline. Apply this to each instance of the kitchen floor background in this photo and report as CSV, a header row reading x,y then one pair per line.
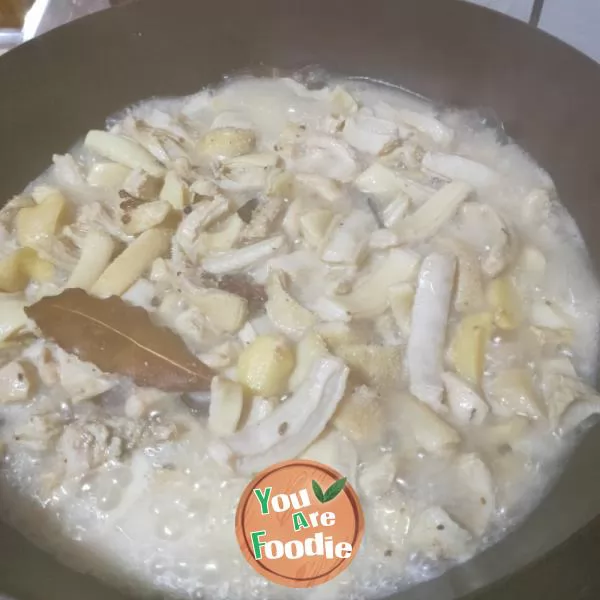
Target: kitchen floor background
x,y
577,22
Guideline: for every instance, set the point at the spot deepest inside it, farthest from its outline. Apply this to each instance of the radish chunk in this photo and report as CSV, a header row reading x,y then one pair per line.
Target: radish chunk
x,y
428,331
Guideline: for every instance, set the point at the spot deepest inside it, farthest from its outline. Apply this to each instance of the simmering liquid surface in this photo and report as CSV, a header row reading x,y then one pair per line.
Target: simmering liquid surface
x,y
410,251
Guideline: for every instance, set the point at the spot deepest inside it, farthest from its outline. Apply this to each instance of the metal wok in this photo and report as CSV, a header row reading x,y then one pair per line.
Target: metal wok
x,y
55,88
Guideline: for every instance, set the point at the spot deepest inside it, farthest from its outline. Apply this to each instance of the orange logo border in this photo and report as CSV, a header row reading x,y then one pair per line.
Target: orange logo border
x,y
243,534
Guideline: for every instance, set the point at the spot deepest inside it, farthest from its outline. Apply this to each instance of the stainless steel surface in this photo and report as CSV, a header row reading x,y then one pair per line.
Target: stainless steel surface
x,y
50,14
9,38
520,9
45,15
577,22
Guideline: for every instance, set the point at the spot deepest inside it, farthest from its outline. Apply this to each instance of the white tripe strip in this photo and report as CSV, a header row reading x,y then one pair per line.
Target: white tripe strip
x,y
369,296
429,218
465,404
293,425
204,214
475,501
436,535
349,239
368,133
123,151
379,180
428,330
242,258
429,125
327,156
458,167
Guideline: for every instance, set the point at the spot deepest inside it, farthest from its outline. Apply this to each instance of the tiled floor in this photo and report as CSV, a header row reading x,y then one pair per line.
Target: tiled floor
x,y
577,22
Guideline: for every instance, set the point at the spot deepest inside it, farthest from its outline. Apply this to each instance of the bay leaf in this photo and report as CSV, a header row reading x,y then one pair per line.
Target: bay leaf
x,y
119,338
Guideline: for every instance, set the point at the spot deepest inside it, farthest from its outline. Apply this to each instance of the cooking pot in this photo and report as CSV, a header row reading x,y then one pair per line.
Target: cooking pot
x,y
546,94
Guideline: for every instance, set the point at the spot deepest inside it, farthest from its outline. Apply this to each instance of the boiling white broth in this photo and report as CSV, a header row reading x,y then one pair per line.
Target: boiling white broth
x,y
157,515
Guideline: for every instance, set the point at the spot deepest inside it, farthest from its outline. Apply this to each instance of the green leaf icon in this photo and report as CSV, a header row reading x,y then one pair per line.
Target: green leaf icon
x,y
318,491
332,491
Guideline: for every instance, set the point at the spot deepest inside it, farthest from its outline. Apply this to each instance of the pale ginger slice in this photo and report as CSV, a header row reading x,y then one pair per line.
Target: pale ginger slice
x,y
377,366
265,365
359,415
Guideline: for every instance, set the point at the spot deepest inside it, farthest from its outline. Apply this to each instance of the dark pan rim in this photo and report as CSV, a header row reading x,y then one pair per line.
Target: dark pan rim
x,y
545,92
